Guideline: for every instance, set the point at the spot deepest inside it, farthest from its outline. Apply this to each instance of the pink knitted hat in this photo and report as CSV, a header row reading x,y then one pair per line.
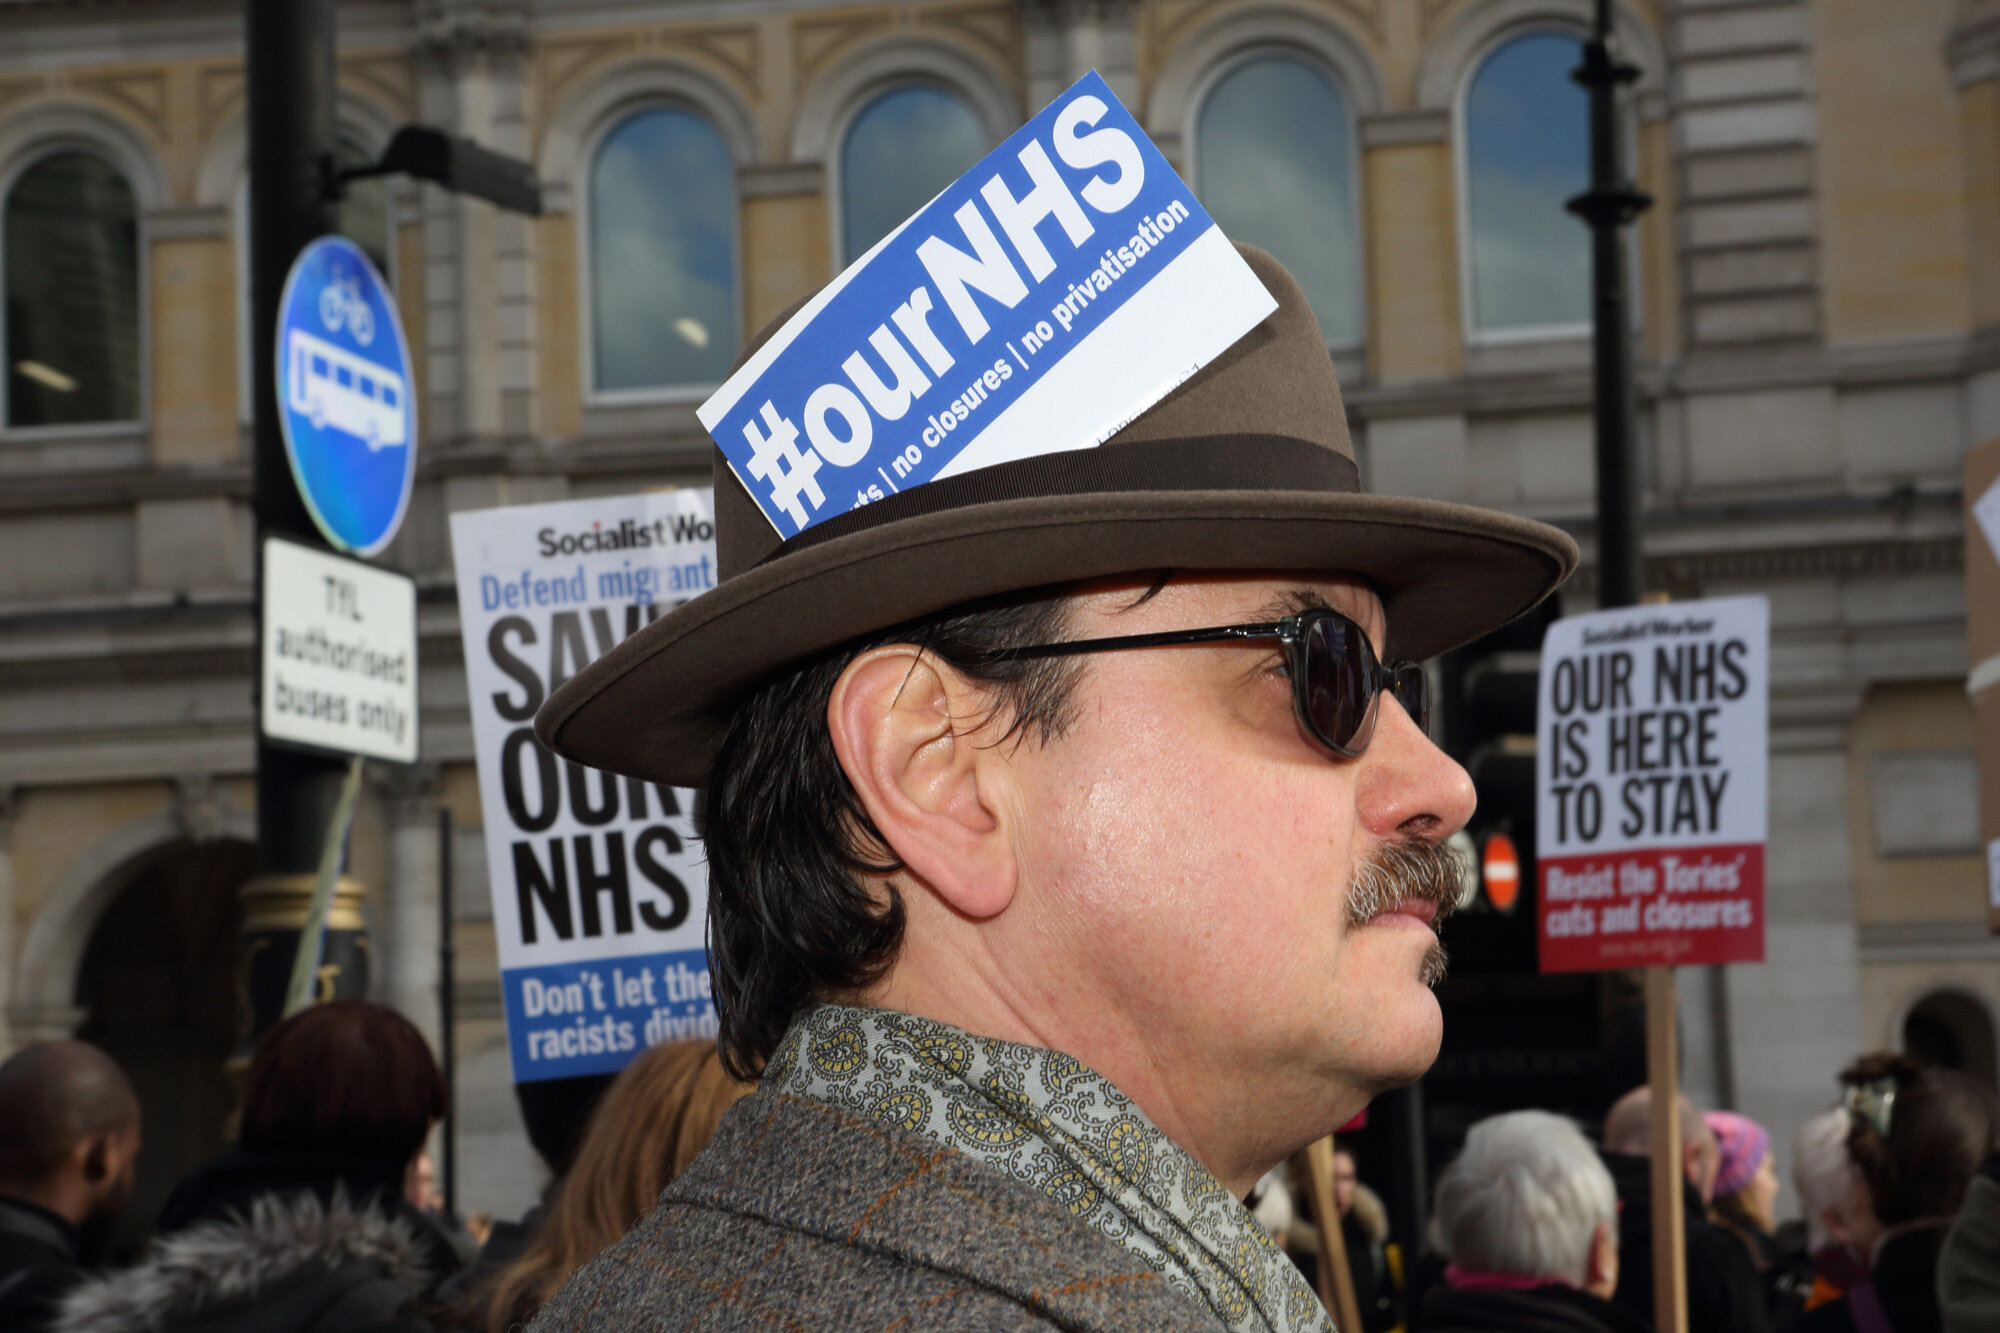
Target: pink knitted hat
x,y
1743,1145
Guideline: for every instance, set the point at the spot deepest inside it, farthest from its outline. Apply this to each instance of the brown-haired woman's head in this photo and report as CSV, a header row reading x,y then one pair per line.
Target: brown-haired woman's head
x,y
652,1122
1917,1134
343,1077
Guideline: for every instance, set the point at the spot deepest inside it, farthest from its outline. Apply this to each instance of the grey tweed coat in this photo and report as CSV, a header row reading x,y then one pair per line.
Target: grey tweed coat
x,y
801,1216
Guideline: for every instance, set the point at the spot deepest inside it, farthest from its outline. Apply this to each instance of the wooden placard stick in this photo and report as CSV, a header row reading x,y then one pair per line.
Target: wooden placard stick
x,y
1336,1278
1669,1220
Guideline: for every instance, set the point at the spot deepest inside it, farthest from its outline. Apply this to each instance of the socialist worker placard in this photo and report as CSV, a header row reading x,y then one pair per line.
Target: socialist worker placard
x,y
1652,755
599,888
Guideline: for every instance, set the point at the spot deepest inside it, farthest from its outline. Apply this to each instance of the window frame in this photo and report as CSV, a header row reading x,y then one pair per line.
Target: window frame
x,y
835,166
1512,335
1191,154
123,427
671,395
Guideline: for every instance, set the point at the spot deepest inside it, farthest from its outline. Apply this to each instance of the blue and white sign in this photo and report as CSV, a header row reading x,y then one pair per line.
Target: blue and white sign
x,y
1048,296
600,891
344,399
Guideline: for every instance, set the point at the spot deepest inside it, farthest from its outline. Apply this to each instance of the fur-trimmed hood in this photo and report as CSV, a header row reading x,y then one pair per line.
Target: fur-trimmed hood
x,y
241,1258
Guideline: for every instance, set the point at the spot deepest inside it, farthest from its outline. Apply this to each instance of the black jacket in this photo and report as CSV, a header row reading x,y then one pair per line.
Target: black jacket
x,y
1905,1281
290,1264
1553,1308
272,1243
1724,1292
1374,1287
38,1263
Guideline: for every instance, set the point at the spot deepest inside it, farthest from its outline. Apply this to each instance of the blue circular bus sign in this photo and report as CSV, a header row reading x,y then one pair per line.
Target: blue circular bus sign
x,y
344,401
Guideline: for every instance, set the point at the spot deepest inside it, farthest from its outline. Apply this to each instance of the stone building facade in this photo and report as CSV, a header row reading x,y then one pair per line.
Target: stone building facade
x,y
1819,295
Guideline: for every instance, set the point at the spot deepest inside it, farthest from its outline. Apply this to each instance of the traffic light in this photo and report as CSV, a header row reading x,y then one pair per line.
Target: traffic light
x,y
1487,716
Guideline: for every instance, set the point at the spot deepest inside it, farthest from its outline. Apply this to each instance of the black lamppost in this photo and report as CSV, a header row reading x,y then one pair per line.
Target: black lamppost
x,y
1609,206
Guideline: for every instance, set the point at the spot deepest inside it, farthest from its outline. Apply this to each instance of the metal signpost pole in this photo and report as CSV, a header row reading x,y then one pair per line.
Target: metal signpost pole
x,y
334,463
290,72
1609,207
447,1015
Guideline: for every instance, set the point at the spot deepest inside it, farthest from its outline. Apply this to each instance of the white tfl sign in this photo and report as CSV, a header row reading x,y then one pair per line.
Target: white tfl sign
x,y
339,656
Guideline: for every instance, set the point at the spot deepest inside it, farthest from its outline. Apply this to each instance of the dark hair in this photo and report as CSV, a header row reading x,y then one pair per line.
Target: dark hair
x,y
343,1077
787,838
1941,1127
554,1111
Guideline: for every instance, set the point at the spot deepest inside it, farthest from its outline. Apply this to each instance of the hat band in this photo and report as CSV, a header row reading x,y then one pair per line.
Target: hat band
x,y
1242,462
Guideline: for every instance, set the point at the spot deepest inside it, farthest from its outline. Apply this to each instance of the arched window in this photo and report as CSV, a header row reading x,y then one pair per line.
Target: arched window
x,y
902,148
1527,152
1274,162
72,265
662,234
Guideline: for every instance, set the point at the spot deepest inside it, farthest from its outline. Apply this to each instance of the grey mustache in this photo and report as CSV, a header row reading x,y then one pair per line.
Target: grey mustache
x,y
1399,872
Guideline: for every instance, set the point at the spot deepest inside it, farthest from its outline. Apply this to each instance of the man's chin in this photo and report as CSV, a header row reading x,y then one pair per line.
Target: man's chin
x,y
1419,1035
1420,1064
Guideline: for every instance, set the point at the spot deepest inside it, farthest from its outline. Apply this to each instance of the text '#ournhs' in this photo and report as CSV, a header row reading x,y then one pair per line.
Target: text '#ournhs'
x,y
927,341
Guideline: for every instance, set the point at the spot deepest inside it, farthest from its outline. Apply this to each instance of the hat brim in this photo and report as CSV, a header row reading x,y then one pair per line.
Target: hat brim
x,y
656,706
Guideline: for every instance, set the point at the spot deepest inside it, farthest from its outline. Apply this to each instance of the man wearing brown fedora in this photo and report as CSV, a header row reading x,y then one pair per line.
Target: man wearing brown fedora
x,y
1075,855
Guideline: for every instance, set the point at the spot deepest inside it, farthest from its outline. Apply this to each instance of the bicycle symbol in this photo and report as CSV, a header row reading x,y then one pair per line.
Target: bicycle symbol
x,y
341,302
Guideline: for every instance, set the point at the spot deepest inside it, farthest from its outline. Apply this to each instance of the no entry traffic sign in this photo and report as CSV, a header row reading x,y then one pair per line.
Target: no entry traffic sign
x,y
1651,763
344,395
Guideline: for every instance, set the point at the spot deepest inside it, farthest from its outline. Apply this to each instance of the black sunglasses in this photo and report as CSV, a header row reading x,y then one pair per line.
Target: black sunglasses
x,y
1335,673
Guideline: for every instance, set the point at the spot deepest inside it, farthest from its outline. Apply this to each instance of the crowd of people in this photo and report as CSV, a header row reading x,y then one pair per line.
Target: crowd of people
x,y
322,1216
1538,1230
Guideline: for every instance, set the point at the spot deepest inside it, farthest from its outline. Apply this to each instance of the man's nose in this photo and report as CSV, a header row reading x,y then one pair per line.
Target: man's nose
x,y
1409,788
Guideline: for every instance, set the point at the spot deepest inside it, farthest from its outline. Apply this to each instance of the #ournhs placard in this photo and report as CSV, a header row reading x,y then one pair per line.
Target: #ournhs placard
x,y
1048,296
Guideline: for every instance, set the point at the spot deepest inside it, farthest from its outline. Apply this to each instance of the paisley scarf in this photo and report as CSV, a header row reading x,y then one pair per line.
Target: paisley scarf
x,y
1046,1120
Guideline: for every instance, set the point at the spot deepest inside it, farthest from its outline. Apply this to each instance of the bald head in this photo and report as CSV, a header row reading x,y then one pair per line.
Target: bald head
x,y
1628,1128
54,1096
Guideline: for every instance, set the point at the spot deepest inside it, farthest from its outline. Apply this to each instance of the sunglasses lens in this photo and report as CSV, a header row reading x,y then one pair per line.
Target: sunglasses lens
x,y
1336,682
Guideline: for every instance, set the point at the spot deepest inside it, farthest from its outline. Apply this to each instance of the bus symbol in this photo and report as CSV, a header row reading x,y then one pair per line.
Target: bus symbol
x,y
332,387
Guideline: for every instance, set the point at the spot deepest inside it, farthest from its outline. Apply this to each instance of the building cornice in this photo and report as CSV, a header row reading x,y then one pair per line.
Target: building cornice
x,y
1927,942
38,493
1860,365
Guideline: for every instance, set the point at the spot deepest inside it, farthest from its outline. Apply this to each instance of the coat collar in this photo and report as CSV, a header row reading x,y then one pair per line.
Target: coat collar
x,y
857,1182
1051,1123
240,1257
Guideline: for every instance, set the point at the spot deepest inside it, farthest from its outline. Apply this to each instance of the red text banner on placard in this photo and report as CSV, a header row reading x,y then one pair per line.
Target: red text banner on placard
x,y
1651,908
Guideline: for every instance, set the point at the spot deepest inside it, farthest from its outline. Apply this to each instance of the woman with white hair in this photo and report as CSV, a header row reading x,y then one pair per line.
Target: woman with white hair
x,y
1831,1197
1528,1218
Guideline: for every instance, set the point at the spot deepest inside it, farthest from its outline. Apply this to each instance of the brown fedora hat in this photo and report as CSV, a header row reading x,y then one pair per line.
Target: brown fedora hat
x,y
1246,466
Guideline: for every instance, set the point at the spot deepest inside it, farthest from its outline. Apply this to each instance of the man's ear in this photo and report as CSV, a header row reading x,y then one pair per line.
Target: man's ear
x,y
1600,1277
907,731
1698,1163
97,1154
1833,1223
